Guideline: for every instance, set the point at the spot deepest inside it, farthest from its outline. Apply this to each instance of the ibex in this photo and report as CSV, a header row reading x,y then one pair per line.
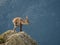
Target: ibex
x,y
18,22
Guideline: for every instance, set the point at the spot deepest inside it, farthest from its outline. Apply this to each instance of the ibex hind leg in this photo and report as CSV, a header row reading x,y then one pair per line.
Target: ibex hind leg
x,y
20,27
14,28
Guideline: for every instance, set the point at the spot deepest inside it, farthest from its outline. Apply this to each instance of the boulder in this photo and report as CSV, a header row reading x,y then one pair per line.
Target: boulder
x,y
18,38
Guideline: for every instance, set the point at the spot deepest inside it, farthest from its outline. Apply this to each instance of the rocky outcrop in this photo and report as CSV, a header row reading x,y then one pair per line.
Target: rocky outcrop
x,y
17,38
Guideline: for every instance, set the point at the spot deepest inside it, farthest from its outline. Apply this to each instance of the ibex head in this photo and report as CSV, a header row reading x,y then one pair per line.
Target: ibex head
x,y
26,21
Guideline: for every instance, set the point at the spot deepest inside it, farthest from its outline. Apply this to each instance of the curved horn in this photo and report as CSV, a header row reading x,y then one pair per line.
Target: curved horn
x,y
26,17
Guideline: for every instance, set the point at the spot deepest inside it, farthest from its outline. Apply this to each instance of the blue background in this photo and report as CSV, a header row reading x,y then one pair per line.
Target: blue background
x,y
44,17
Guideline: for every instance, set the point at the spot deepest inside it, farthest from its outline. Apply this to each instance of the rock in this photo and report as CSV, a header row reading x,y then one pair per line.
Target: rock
x,y
8,33
18,38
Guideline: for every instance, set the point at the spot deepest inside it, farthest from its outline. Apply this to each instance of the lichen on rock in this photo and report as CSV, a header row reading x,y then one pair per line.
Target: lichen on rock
x,y
1,39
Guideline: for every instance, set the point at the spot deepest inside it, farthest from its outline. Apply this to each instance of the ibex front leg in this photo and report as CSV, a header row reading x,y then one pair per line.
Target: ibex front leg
x,y
20,26
14,28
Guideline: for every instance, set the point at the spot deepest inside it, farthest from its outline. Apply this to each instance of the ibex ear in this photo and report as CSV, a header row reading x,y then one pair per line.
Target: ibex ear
x,y
26,17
